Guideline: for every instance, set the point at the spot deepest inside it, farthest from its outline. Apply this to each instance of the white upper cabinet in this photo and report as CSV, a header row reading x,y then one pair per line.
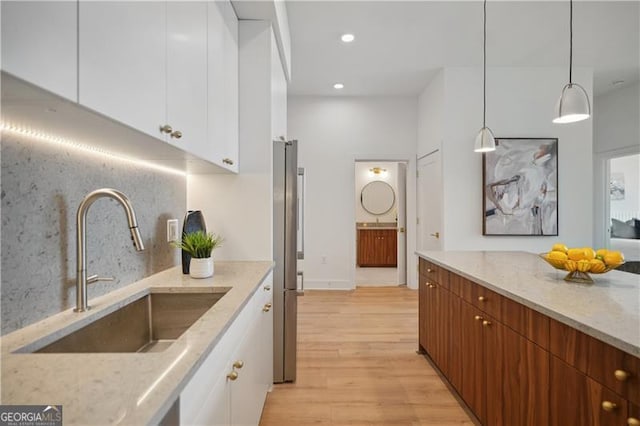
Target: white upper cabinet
x,y
223,84
187,77
39,44
122,62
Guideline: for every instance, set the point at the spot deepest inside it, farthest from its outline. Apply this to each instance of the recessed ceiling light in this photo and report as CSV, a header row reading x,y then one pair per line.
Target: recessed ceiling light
x,y
347,38
338,86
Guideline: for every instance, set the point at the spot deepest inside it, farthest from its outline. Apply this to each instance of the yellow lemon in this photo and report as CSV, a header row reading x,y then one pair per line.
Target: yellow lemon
x,y
583,265
556,255
589,253
614,258
571,265
576,253
601,253
557,259
597,266
560,247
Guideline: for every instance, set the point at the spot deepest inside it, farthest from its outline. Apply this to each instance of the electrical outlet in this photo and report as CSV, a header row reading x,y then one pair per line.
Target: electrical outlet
x,y
172,230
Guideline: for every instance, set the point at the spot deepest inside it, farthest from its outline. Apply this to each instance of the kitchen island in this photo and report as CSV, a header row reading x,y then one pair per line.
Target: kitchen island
x,y
126,388
522,346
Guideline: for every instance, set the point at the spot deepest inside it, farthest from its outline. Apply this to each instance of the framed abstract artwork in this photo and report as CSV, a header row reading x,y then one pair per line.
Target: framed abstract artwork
x,y
520,187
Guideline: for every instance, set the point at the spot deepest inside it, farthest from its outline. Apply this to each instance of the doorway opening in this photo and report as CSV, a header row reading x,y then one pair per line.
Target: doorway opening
x,y
380,223
623,176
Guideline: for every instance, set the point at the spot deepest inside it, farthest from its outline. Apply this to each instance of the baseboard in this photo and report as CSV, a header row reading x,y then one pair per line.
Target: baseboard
x,y
328,285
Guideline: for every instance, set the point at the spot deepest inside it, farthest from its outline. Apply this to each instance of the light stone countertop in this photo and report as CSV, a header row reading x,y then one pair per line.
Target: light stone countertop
x,y
124,388
608,310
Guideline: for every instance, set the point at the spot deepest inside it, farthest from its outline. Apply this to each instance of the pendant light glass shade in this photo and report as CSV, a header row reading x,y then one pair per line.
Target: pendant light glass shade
x,y
485,141
573,104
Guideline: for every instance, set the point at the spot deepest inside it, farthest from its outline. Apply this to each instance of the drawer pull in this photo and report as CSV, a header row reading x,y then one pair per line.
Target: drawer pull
x,y
267,307
621,375
166,129
609,406
632,421
486,323
477,318
482,298
238,364
176,134
227,161
429,270
267,287
232,376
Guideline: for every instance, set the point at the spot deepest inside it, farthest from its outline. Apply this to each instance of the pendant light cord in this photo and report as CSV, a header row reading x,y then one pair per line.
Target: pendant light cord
x,y
570,39
484,69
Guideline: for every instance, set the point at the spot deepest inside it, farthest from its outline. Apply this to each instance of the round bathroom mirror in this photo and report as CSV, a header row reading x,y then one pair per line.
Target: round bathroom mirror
x,y
377,197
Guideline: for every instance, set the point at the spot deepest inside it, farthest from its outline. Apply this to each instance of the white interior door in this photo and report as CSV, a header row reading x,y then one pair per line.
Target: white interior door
x,y
429,187
402,223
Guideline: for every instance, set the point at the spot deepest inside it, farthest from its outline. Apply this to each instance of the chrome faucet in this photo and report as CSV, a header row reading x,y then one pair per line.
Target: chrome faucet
x,y
81,240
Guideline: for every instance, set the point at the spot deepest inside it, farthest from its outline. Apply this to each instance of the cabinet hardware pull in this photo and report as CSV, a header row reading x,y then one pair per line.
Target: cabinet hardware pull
x,y
437,235
177,134
166,129
632,421
232,376
609,406
267,287
482,298
238,364
477,318
267,307
486,323
227,161
429,270
621,375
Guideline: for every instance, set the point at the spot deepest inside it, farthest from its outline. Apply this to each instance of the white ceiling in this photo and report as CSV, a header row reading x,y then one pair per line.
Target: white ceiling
x,y
400,45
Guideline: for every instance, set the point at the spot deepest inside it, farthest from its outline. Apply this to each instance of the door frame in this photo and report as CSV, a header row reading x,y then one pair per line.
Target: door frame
x,y
601,199
411,278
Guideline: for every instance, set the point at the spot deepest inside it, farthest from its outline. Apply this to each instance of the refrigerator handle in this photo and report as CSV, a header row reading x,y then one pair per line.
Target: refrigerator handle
x,y
301,290
300,207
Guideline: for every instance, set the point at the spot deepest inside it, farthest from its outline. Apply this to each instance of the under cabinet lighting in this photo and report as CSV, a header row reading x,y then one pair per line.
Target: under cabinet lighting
x,y
67,143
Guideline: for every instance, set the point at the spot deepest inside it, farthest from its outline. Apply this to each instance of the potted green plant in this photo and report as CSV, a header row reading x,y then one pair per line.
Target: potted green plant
x,y
199,245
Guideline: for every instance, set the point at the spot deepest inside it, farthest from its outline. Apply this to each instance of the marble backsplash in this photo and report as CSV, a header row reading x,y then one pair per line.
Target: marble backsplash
x,y
42,186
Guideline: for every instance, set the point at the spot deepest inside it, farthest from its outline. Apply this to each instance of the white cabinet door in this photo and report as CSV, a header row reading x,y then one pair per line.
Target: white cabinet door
x,y
216,411
187,76
247,393
40,44
122,61
223,84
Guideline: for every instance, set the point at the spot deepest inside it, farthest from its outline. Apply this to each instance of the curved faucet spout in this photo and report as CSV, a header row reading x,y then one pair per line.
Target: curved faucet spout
x,y
81,237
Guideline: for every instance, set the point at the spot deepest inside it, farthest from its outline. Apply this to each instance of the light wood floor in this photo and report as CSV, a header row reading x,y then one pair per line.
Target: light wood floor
x,y
357,365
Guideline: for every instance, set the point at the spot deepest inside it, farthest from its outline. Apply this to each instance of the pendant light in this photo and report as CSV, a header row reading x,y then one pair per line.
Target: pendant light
x,y
485,141
573,104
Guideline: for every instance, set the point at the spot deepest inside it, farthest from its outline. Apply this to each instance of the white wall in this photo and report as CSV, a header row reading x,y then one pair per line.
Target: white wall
x,y
520,103
240,207
333,133
431,116
363,177
616,119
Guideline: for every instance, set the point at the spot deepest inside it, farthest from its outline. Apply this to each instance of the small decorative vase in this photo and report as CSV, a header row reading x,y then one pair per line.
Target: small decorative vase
x,y
201,268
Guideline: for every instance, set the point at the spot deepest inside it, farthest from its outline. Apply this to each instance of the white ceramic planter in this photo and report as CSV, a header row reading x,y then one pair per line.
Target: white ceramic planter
x,y
201,268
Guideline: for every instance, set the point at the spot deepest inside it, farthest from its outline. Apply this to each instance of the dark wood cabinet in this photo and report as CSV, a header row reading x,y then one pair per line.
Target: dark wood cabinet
x,y
515,366
377,247
576,399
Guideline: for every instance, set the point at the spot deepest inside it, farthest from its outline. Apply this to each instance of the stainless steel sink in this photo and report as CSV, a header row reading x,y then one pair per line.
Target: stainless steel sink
x,y
149,324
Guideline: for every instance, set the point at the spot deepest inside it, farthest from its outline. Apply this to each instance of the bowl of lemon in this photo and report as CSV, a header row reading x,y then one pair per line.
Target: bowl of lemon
x,y
582,261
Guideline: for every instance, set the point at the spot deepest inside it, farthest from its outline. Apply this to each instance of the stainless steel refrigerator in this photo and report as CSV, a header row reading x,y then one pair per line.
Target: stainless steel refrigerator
x,y
288,239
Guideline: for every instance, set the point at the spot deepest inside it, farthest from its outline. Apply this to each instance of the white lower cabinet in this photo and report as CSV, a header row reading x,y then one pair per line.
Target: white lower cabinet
x,y
231,385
